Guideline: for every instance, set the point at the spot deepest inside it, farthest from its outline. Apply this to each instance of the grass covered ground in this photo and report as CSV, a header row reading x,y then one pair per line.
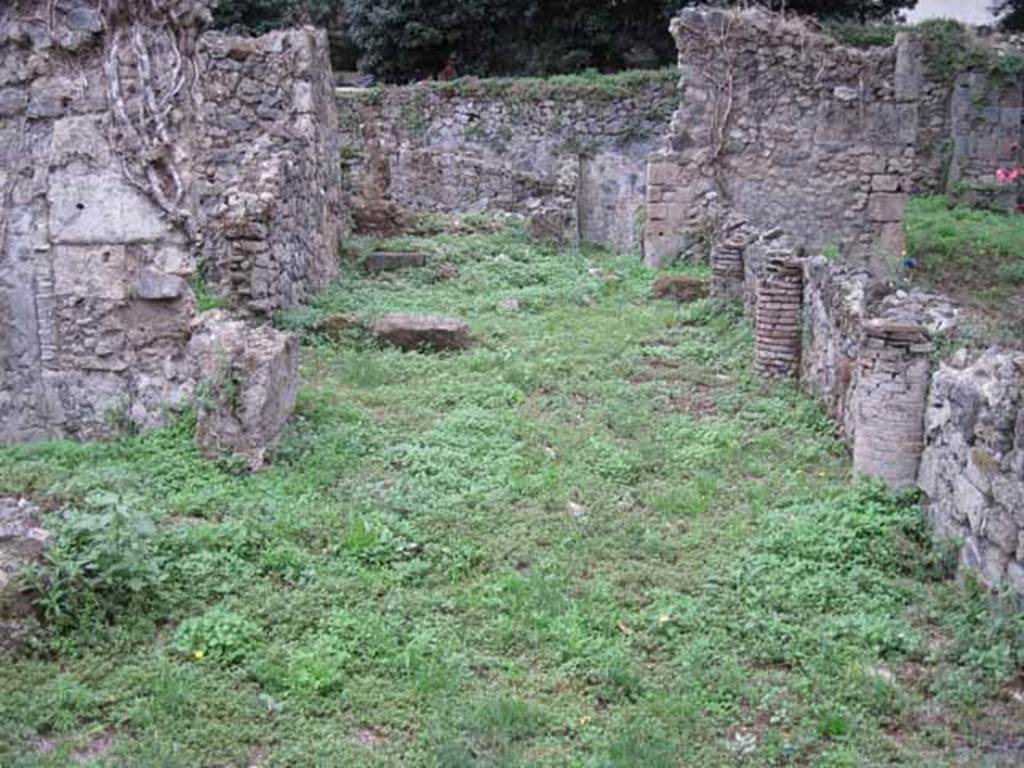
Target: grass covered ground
x,y
977,257
593,540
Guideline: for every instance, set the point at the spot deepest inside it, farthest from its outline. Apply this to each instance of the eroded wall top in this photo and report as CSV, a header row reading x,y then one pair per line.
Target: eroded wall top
x,y
782,126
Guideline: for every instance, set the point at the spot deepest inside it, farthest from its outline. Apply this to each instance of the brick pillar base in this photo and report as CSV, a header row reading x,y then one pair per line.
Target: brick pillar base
x,y
890,397
727,270
778,316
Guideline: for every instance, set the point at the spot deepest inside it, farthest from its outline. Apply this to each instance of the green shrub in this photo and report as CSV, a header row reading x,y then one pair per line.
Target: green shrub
x,y
101,564
863,35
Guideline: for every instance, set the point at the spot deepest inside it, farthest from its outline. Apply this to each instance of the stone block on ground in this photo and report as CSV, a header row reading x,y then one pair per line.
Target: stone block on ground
x,y
23,541
247,381
415,332
681,288
391,261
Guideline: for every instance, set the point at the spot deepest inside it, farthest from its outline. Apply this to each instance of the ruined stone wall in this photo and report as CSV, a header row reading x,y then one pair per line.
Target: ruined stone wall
x,y
569,147
986,130
957,432
970,118
269,183
782,126
121,168
973,466
94,301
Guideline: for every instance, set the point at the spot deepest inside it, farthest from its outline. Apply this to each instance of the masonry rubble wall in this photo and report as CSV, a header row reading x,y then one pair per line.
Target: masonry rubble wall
x,y
783,126
972,470
116,181
986,132
269,185
969,118
567,151
955,432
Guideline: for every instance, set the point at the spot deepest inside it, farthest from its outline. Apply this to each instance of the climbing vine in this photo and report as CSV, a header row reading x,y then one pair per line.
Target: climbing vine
x,y
714,50
146,100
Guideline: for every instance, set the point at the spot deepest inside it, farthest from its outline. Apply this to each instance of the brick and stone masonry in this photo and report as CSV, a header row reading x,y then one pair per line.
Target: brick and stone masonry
x,y
893,373
777,321
780,124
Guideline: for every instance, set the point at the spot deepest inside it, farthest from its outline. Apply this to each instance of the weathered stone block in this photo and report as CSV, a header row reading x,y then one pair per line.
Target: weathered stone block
x,y
421,332
247,383
98,208
158,286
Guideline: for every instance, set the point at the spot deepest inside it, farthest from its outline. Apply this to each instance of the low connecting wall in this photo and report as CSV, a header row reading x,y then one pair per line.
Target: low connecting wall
x,y
866,350
567,152
137,157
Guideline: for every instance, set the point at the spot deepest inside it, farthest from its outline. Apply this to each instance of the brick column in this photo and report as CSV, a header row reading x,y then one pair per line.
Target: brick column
x,y
727,269
778,316
890,397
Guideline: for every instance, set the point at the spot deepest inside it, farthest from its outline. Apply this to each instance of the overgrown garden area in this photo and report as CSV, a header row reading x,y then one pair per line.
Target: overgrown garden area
x,y
594,539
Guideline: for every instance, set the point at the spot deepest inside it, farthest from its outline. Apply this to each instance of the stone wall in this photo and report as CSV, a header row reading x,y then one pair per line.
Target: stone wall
x,y
973,466
95,305
572,149
986,130
970,119
119,175
957,432
269,183
782,126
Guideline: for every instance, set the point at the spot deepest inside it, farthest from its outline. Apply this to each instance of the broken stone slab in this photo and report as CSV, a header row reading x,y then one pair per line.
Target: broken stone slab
x,y
418,332
392,261
681,288
23,541
247,381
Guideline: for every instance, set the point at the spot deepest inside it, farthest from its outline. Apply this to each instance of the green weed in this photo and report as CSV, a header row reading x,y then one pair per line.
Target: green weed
x,y
594,539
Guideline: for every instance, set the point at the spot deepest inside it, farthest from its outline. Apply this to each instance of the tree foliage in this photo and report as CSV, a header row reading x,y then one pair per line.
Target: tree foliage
x,y
402,40
1014,13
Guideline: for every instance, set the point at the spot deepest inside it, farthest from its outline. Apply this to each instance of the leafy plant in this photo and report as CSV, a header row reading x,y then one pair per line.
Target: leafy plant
x,y
102,563
219,635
